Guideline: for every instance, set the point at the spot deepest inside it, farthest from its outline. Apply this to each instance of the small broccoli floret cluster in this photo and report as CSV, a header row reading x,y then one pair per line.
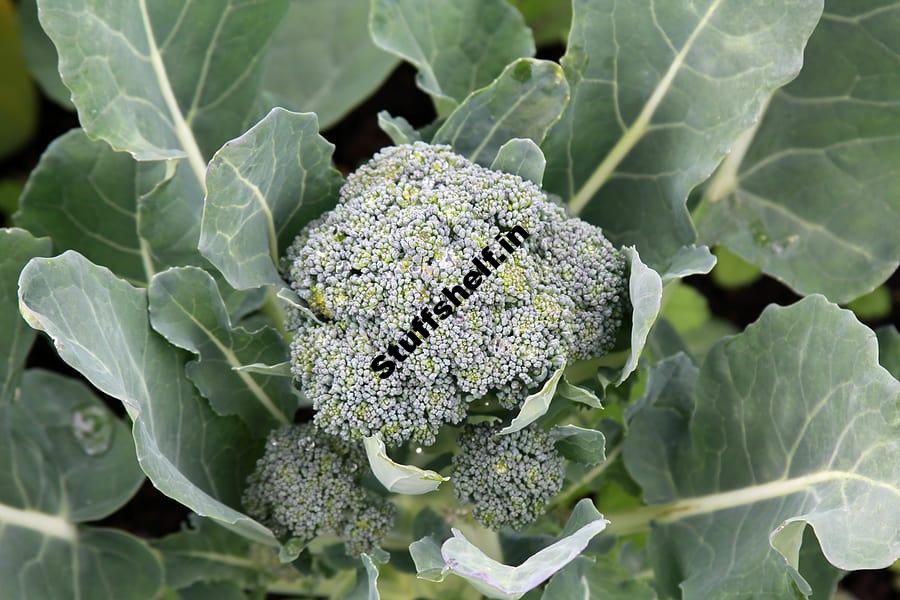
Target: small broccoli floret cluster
x,y
408,225
508,479
307,484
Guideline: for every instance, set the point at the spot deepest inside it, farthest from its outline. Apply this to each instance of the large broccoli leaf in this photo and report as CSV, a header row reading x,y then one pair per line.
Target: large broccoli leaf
x,y
156,81
525,100
160,80
812,194
99,325
322,59
65,459
660,92
133,217
187,309
458,46
791,423
262,188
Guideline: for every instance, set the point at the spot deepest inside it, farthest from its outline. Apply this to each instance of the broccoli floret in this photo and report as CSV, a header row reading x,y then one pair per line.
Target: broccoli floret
x,y
508,479
307,484
408,224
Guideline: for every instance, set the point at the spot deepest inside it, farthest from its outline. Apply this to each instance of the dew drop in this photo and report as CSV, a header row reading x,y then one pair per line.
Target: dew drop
x,y
93,429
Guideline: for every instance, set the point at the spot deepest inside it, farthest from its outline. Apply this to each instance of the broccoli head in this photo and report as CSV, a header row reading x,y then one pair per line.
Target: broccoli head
x,y
307,484
407,226
508,479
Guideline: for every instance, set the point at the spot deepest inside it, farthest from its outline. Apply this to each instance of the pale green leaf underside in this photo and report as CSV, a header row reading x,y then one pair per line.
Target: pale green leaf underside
x,y
426,555
496,580
660,92
535,405
645,293
812,196
792,422
366,581
521,157
576,393
160,80
458,47
322,59
99,325
397,478
187,309
525,100
261,189
65,459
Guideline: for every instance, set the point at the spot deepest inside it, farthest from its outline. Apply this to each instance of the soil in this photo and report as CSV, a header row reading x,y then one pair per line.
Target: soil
x,y
151,514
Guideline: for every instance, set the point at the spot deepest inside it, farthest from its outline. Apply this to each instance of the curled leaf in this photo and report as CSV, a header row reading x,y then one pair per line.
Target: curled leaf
x,y
536,405
496,580
397,478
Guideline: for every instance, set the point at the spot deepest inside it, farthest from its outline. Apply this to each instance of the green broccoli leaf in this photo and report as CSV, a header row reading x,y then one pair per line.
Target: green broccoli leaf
x,y
458,46
187,309
521,157
158,82
889,349
398,129
17,247
322,60
645,291
791,423
82,186
525,100
660,92
811,195
133,217
205,551
100,326
66,459
596,579
586,446
40,55
262,188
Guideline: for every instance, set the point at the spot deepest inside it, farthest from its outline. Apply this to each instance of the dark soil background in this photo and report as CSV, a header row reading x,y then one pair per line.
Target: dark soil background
x,y
357,137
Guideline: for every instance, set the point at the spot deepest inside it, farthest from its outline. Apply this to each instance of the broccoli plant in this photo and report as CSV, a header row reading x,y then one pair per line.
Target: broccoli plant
x,y
588,327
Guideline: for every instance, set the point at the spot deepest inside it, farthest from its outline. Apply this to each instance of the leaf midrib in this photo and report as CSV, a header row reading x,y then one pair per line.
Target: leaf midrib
x,y
637,520
47,524
233,361
181,129
633,134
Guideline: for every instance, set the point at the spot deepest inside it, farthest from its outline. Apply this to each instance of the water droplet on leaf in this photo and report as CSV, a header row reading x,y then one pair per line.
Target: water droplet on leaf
x,y
93,429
